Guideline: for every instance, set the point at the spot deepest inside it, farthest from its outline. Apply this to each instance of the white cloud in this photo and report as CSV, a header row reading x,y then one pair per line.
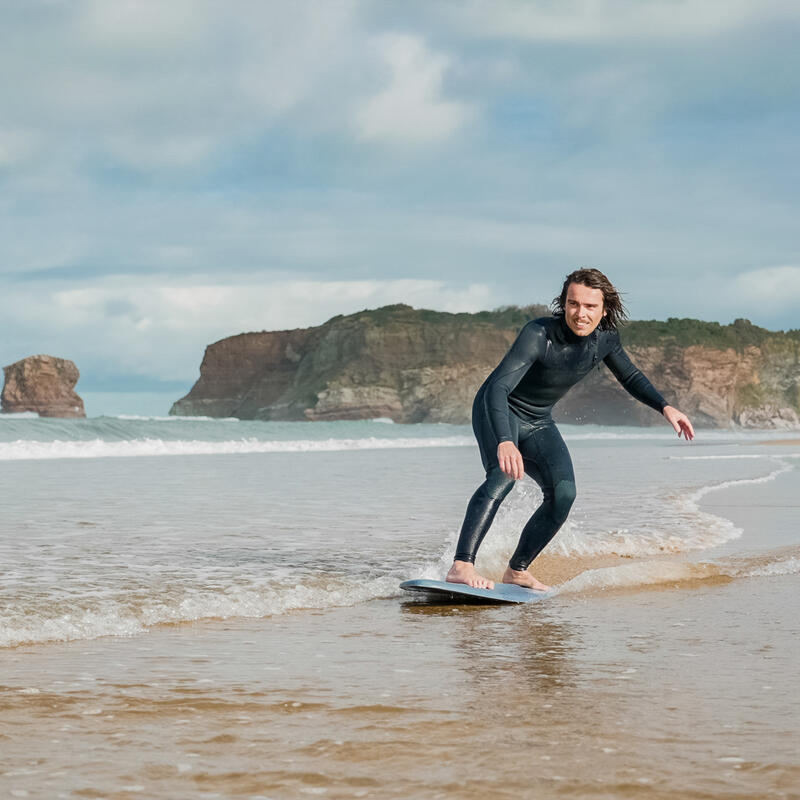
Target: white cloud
x,y
601,20
145,23
16,146
412,108
776,287
160,331
153,84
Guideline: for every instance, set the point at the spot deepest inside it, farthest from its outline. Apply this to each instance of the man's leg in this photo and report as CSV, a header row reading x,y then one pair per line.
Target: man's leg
x,y
481,511
548,462
482,506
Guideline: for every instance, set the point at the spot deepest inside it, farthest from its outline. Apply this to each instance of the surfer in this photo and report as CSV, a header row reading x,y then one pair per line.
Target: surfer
x,y
511,417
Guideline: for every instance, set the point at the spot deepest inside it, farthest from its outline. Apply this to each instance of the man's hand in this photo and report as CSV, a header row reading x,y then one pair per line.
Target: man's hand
x,y
510,460
679,421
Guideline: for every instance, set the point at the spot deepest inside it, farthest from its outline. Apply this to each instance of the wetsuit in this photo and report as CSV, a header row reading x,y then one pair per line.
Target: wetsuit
x,y
514,405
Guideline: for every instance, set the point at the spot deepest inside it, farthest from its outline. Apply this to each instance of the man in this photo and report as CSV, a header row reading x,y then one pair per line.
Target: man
x,y
511,417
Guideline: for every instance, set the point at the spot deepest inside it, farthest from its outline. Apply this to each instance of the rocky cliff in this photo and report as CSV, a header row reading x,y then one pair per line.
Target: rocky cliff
x,y
43,384
425,366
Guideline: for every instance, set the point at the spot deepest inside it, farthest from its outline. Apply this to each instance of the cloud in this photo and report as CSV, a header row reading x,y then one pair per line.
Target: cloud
x,y
148,24
769,287
609,20
16,146
159,331
151,84
412,108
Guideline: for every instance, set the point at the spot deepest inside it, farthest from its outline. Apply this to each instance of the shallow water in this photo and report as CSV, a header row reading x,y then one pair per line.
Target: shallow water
x,y
664,664
673,693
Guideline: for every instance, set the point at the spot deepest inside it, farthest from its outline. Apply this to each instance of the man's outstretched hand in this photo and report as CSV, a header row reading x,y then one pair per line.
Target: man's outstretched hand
x,y
679,421
510,460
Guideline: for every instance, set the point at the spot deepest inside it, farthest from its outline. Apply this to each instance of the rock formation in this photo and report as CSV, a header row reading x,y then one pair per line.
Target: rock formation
x,y
43,384
425,366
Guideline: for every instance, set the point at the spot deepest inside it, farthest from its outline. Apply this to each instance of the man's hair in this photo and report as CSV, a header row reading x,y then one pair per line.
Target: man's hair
x,y
616,313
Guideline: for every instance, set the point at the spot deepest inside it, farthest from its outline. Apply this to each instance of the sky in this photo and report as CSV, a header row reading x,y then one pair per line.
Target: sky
x,y
172,173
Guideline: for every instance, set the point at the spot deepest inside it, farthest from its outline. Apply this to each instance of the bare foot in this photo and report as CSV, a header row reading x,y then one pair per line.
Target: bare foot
x,y
464,572
524,578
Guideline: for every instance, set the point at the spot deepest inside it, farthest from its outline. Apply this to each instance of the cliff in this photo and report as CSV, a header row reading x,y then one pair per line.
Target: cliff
x,y
425,366
44,384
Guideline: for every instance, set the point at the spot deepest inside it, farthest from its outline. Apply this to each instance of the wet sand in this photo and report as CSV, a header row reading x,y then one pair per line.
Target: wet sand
x,y
580,698
683,691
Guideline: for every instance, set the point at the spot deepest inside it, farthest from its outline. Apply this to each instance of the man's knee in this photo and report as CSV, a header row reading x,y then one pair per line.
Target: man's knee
x,y
498,484
563,498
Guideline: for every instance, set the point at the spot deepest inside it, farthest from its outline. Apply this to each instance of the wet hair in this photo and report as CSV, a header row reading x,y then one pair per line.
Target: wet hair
x,y
616,313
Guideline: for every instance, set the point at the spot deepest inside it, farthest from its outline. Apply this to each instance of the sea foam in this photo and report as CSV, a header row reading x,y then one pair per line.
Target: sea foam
x,y
99,448
93,616
656,572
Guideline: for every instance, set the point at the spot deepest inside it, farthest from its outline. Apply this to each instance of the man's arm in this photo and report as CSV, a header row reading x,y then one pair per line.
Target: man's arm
x,y
529,346
634,381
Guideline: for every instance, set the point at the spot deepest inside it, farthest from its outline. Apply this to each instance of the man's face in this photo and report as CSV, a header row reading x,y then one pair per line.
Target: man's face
x,y
583,310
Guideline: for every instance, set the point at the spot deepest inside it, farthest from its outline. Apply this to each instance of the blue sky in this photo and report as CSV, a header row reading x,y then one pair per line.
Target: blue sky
x,y
173,173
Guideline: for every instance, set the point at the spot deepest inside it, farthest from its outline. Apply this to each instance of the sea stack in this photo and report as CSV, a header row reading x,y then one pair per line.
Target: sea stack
x,y
44,384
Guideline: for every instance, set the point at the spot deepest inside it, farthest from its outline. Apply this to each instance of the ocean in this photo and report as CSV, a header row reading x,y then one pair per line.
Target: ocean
x,y
210,608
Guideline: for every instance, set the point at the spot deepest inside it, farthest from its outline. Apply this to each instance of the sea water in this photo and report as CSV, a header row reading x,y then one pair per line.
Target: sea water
x,y
241,579
112,525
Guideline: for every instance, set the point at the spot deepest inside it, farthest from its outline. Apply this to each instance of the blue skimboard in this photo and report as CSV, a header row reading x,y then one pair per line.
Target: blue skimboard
x,y
444,592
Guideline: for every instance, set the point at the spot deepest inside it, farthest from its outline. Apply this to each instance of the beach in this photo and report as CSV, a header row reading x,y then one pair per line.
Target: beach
x,y
213,611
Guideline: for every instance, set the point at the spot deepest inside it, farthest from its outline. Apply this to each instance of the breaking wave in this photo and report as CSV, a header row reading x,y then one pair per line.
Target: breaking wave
x,y
100,448
659,572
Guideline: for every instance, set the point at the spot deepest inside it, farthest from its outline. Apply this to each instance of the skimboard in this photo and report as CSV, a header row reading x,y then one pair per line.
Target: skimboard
x,y
444,592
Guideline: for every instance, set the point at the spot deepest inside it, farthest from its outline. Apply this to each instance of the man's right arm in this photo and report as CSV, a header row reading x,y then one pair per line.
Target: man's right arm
x,y
529,347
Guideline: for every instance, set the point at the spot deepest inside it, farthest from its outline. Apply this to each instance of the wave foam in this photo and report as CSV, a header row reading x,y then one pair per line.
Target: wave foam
x,y
658,572
670,524
61,622
733,457
642,573
693,498
176,418
787,566
100,448
93,617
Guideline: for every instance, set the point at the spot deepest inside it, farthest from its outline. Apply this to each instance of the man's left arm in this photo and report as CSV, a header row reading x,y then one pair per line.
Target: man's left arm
x,y
634,381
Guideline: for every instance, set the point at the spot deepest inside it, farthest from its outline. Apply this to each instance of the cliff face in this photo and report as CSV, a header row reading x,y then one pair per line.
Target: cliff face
x,y
43,384
717,388
424,366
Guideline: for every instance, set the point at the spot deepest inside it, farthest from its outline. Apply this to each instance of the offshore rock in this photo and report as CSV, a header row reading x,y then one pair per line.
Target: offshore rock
x,y
425,366
44,384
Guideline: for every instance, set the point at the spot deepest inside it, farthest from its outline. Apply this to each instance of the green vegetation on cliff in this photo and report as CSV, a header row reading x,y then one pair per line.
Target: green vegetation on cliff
x,y
687,332
504,318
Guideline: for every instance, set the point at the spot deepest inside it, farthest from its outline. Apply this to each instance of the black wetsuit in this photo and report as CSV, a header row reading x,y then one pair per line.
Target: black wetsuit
x,y
514,405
